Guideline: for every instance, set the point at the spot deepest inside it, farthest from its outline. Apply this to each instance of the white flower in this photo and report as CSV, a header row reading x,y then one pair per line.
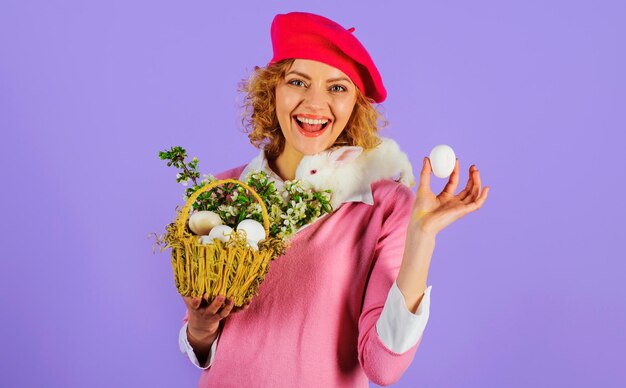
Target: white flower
x,y
300,210
229,210
255,208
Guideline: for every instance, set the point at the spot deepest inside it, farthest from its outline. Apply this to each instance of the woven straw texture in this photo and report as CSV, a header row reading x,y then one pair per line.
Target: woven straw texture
x,y
232,269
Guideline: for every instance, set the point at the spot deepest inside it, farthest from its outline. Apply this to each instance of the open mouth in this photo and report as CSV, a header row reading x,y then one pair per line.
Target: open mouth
x,y
311,130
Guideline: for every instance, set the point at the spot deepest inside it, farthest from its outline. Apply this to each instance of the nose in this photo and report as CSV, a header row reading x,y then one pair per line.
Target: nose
x,y
315,98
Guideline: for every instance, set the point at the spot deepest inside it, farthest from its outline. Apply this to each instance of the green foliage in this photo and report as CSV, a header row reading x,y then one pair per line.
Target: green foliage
x,y
296,206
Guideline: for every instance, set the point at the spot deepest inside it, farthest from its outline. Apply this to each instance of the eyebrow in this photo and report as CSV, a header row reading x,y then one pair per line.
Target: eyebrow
x,y
309,78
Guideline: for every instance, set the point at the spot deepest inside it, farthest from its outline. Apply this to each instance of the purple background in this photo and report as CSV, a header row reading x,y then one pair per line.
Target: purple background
x,y
528,291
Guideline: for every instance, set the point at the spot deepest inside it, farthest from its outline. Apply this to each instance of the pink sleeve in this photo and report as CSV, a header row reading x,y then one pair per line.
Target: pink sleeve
x,y
381,365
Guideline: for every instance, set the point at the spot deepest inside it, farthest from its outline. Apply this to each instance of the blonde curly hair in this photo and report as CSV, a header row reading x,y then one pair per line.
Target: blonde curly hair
x,y
261,123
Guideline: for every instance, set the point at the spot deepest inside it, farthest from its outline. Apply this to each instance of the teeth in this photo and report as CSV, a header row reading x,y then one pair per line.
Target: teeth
x,y
311,121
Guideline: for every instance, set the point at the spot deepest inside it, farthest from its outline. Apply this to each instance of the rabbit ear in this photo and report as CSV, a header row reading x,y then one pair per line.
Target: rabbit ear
x,y
345,154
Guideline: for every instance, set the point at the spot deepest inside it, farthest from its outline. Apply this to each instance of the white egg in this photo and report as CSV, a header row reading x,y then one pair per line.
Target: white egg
x,y
253,244
203,221
442,159
254,230
220,232
204,240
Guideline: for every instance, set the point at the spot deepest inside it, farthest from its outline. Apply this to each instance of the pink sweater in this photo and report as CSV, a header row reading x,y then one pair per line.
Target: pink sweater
x,y
313,323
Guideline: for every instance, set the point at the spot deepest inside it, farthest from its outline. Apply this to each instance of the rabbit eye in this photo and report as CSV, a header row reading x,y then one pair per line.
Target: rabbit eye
x,y
313,172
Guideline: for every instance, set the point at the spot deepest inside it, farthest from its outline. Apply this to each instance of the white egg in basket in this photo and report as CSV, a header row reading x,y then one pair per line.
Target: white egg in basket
x,y
204,240
203,221
254,230
220,232
253,244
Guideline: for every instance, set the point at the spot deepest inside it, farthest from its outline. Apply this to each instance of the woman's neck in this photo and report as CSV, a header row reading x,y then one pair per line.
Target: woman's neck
x,y
286,163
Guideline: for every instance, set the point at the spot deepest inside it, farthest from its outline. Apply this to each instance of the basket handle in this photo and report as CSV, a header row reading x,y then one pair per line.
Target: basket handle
x,y
182,220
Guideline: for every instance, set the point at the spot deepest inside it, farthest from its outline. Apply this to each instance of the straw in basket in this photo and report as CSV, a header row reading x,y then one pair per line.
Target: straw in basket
x,y
232,269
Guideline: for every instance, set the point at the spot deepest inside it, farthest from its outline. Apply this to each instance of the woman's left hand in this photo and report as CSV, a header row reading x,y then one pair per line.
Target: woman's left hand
x,y
433,213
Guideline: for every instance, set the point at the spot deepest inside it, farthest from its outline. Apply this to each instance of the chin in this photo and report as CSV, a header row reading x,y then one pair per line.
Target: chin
x,y
305,147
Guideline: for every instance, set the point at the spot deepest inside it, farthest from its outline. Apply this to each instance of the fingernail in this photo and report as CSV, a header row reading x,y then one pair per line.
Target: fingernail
x,y
424,160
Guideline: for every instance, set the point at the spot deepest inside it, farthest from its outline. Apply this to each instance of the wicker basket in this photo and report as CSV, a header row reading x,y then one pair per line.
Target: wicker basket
x,y
232,269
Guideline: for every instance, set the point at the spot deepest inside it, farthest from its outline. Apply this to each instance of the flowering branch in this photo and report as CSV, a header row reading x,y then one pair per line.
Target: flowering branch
x,y
288,211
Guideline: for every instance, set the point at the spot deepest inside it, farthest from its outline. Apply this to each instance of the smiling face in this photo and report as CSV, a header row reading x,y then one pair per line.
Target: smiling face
x,y
314,102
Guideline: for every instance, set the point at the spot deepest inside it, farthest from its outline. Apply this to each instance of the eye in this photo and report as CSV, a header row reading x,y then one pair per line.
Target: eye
x,y
341,88
295,82
312,172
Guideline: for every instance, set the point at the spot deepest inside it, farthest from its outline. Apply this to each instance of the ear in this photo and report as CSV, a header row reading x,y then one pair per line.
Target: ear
x,y
345,154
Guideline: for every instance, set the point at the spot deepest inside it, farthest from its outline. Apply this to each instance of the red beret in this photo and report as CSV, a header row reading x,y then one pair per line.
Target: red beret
x,y
308,36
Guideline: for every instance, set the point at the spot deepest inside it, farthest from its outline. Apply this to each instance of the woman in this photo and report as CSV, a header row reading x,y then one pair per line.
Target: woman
x,y
348,302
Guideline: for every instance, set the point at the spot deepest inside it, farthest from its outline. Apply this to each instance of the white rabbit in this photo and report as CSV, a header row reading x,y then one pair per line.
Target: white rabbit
x,y
349,170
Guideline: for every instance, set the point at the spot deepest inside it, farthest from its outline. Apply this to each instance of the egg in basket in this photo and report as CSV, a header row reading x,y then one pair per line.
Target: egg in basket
x,y
228,231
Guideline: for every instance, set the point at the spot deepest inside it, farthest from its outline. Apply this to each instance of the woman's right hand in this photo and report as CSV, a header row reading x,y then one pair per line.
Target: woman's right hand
x,y
204,317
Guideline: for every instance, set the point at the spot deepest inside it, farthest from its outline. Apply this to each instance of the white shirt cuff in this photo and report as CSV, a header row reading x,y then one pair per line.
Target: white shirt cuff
x,y
185,348
397,327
